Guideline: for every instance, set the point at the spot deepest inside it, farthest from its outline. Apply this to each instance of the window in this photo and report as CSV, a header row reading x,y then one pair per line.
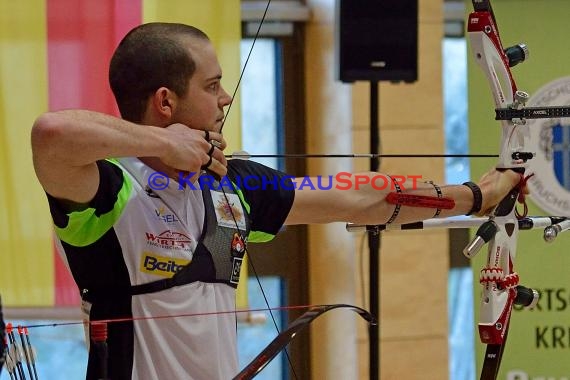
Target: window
x,y
272,96
460,280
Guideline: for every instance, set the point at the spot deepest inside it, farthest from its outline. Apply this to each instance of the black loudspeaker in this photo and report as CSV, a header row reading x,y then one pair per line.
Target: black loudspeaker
x,y
377,40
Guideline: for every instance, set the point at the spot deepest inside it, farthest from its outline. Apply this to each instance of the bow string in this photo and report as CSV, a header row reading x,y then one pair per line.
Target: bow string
x,y
238,231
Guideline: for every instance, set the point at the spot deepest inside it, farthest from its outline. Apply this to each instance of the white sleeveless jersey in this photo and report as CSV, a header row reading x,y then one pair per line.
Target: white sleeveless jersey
x,y
130,235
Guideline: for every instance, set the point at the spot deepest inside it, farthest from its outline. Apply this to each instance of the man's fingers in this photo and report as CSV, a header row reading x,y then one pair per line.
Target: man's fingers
x,y
214,155
211,151
218,155
216,139
207,164
217,168
216,143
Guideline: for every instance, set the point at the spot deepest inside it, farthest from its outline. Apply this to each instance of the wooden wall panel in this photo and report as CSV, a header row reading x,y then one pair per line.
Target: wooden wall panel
x,y
414,265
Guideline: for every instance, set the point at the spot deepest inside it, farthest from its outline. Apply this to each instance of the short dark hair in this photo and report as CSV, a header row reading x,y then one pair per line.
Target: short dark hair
x,y
151,56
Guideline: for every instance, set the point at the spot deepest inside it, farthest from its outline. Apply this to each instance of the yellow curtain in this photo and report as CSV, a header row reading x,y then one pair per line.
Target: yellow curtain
x,y
26,260
26,256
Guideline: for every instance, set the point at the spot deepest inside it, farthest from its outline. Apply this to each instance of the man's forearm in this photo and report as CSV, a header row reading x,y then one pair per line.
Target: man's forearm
x,y
366,203
79,137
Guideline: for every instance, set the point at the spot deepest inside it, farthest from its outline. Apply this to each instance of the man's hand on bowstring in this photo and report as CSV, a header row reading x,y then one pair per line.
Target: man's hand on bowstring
x,y
192,150
495,185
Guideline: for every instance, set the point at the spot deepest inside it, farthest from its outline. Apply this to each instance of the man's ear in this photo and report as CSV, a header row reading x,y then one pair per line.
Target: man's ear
x,y
164,102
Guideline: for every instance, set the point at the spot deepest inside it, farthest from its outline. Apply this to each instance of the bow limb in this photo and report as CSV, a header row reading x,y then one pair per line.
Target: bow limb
x,y
285,337
498,278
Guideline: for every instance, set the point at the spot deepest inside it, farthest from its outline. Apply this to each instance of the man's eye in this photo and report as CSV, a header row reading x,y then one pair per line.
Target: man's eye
x,y
214,86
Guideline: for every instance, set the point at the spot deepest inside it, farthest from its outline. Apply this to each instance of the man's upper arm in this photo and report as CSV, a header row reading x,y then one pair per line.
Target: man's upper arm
x,y
83,224
76,185
55,173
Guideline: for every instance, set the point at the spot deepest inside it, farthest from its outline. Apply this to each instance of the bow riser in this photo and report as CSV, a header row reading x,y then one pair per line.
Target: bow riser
x,y
496,300
490,56
498,277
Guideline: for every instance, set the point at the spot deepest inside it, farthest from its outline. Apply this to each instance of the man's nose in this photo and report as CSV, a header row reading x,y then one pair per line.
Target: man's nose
x,y
225,99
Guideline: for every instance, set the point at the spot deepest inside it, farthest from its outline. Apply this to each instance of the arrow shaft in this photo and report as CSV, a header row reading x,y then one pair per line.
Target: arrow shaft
x,y
360,155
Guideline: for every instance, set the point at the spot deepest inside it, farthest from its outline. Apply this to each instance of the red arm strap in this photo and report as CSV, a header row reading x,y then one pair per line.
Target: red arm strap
x,y
420,201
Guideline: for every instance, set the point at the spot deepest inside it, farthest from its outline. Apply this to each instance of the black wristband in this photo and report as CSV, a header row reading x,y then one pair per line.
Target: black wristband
x,y
477,197
439,196
398,205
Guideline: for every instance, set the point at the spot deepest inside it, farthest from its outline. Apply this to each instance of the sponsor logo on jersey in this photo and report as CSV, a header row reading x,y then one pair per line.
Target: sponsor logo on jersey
x,y
238,250
160,265
150,192
162,213
229,212
236,269
169,240
238,245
